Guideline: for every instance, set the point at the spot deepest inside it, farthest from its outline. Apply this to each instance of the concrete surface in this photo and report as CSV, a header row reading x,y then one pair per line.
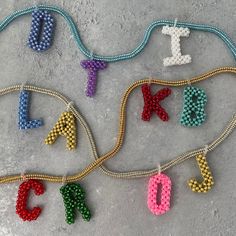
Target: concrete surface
x,y
119,206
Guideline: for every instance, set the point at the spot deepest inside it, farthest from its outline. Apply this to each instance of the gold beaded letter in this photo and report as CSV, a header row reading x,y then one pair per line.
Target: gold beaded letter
x,y
65,126
207,182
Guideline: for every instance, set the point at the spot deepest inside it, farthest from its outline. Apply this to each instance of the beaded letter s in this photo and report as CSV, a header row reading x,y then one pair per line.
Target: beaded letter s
x,y
155,183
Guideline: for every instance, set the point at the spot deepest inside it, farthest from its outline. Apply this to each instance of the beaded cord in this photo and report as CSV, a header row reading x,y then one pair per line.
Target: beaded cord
x,y
92,66
151,103
23,193
42,23
74,197
121,132
176,33
208,182
23,119
65,126
132,53
159,181
193,113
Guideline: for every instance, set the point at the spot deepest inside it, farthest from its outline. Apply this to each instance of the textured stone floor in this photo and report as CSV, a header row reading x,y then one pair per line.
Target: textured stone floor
x,y
119,206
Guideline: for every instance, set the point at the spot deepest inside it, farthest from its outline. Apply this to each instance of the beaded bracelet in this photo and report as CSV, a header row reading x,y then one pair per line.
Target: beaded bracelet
x,y
97,62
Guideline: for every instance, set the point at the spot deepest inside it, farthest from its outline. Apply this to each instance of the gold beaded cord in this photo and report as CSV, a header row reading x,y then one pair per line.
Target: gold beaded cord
x,y
121,133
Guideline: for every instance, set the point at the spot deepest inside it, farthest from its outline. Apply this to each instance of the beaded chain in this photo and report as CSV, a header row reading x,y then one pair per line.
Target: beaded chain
x,y
194,102
151,103
121,133
125,56
21,203
24,122
65,126
207,182
74,197
40,17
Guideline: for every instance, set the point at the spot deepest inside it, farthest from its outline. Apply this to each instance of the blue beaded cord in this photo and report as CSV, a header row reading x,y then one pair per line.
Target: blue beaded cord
x,y
126,56
24,122
40,37
193,113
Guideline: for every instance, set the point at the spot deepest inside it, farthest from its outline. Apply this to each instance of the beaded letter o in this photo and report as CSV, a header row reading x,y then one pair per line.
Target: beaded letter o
x,y
165,192
40,37
21,204
193,113
207,182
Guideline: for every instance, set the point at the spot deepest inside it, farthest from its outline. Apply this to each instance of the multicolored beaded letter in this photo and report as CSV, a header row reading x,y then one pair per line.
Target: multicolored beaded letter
x,y
74,197
194,102
93,66
65,126
151,103
24,122
21,204
165,192
41,31
207,182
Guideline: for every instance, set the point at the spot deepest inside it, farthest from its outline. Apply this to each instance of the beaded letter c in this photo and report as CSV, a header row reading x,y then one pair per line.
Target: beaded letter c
x,y
165,192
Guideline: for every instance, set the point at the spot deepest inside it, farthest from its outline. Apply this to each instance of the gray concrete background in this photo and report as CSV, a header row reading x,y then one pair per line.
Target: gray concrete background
x,y
119,206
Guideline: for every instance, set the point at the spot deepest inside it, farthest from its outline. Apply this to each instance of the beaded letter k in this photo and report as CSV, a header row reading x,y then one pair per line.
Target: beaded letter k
x,y
151,103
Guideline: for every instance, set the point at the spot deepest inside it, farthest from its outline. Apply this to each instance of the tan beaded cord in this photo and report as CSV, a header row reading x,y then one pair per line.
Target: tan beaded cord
x,y
122,121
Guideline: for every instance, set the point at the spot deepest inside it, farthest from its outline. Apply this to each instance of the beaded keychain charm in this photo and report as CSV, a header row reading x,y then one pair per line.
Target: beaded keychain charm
x,y
74,198
40,37
65,126
23,114
23,194
159,184
151,103
208,182
193,113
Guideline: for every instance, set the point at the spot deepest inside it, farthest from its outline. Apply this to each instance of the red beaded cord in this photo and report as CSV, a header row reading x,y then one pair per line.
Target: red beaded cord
x,y
151,103
21,204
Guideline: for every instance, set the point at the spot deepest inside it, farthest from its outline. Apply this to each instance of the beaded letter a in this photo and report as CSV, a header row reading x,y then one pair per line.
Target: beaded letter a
x,y
65,126
74,197
207,183
161,184
194,102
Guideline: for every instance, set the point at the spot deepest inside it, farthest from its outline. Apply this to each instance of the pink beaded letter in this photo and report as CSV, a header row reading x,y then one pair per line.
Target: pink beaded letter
x,y
159,181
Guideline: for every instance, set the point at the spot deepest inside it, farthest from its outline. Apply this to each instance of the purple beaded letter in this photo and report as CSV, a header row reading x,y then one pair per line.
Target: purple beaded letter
x,y
92,66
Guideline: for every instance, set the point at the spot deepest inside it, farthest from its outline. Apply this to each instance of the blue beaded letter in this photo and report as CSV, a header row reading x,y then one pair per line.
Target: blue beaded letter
x,y
40,38
24,122
193,111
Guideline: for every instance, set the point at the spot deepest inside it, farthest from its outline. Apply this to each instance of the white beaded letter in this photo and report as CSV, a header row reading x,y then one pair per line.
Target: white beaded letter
x,y
176,33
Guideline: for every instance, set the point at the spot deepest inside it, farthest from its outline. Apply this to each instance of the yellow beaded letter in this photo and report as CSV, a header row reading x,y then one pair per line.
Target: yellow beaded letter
x,y
65,126
207,182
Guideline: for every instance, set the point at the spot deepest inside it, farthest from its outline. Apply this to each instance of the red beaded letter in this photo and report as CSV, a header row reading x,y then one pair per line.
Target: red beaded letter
x,y
151,103
21,204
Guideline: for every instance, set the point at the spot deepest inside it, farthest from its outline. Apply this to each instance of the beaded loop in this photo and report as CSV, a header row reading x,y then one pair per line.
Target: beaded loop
x,y
23,114
65,126
42,23
23,193
74,197
193,113
165,193
151,103
208,182
92,66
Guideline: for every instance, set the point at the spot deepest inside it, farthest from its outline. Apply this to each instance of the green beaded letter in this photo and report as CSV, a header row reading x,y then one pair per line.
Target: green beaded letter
x,y
74,197
193,111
